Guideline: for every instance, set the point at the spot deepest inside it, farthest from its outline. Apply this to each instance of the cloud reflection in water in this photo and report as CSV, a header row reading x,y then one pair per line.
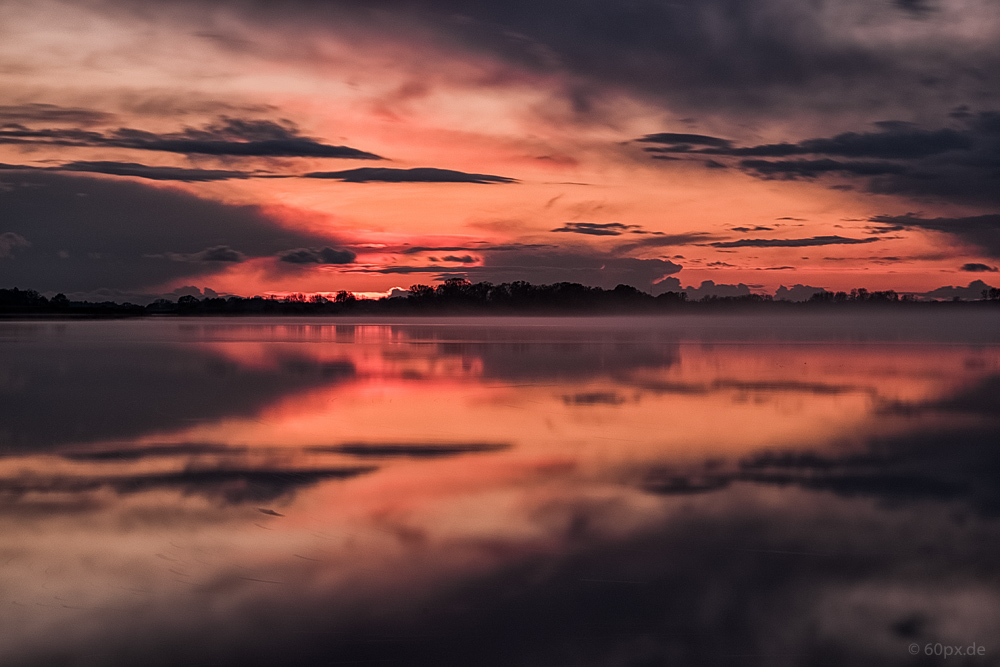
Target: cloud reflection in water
x,y
590,492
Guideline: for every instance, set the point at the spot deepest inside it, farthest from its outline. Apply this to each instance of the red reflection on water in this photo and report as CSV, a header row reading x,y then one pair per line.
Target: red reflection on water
x,y
430,460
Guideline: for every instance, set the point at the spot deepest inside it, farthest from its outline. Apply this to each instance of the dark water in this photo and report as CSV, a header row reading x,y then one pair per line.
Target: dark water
x,y
686,491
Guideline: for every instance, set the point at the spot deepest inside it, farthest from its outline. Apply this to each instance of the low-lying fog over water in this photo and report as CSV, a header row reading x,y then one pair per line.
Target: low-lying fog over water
x,y
705,490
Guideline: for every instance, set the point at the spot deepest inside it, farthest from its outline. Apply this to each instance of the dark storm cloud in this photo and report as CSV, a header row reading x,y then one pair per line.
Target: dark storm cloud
x,y
791,243
792,169
136,170
419,249
755,228
722,60
885,229
443,271
222,452
504,247
138,453
666,241
676,140
973,267
15,133
51,113
88,233
417,175
325,255
982,231
409,450
597,228
747,58
154,173
190,174
895,141
219,253
960,164
229,137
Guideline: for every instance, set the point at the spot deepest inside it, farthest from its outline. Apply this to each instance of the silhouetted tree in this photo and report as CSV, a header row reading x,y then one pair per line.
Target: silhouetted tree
x,y
457,295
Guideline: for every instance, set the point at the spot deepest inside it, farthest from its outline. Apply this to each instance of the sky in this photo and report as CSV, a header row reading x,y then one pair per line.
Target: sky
x,y
245,147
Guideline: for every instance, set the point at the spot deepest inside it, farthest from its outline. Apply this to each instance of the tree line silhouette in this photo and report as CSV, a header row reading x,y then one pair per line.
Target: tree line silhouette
x,y
454,296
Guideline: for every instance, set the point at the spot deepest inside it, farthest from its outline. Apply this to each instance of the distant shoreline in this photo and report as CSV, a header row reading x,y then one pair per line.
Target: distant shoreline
x,y
462,298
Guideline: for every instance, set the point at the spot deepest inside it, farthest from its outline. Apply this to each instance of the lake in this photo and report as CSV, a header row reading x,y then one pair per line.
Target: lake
x,y
805,489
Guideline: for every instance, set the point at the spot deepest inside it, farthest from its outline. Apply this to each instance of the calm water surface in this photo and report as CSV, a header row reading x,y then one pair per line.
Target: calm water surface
x,y
805,490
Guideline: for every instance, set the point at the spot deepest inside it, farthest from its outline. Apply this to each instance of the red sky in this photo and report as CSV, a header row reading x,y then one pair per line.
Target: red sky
x,y
150,146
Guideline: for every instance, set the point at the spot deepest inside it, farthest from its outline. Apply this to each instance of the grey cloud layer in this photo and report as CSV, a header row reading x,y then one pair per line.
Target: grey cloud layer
x,y
195,174
728,59
325,255
955,164
599,228
982,231
744,57
219,253
76,233
413,250
227,138
791,243
51,113
149,172
416,175
230,137
154,173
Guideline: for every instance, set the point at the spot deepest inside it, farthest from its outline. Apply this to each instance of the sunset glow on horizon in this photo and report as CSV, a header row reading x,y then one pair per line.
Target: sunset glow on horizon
x,y
316,146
